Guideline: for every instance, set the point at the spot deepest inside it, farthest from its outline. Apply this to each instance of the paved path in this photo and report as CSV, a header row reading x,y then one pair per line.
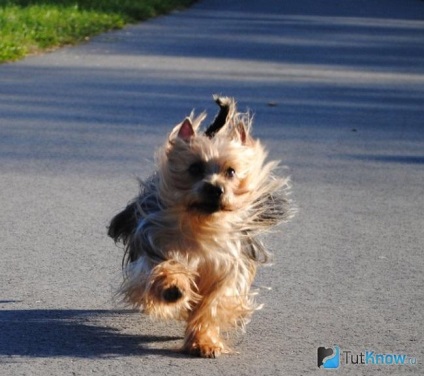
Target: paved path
x,y
338,92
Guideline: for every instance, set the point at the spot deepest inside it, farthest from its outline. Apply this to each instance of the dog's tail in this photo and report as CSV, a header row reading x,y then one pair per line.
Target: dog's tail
x,y
227,110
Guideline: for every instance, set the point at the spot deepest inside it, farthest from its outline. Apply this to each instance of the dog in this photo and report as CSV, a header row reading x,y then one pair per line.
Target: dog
x,y
191,235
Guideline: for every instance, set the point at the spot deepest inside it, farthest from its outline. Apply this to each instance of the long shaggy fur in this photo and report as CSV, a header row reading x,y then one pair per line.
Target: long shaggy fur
x,y
191,235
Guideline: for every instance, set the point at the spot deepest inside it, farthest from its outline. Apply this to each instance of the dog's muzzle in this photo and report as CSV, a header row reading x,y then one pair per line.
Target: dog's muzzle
x,y
211,195
212,192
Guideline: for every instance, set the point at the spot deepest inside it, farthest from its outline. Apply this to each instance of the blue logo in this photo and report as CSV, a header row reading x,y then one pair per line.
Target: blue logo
x,y
329,358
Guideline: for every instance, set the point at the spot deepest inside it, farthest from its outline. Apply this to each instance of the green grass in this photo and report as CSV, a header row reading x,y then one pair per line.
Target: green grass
x,y
32,26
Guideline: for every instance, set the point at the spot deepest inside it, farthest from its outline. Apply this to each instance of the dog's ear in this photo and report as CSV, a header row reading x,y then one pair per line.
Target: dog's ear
x,y
124,224
186,130
242,133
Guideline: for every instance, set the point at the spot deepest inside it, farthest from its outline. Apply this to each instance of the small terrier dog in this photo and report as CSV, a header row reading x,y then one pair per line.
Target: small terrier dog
x,y
190,236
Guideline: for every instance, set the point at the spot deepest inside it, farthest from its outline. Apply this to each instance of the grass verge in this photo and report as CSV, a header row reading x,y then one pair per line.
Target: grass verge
x,y
32,26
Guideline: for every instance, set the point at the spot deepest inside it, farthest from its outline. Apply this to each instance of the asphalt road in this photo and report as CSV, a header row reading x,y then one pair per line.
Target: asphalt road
x,y
337,88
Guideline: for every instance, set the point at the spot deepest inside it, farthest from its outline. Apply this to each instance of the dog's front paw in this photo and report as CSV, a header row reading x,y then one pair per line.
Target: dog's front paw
x,y
172,294
205,349
205,343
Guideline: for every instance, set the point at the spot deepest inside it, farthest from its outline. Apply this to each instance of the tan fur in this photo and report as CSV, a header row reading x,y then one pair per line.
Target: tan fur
x,y
185,242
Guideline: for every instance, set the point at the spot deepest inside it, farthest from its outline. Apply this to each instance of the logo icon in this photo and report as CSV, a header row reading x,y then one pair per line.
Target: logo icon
x,y
329,358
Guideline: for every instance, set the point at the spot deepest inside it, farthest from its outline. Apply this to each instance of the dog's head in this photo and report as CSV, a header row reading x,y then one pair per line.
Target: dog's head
x,y
217,171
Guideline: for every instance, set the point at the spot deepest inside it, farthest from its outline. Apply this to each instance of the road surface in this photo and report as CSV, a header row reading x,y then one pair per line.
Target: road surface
x,y
337,89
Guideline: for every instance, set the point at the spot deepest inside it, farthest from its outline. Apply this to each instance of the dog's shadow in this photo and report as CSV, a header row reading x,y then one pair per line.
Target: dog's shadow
x,y
80,334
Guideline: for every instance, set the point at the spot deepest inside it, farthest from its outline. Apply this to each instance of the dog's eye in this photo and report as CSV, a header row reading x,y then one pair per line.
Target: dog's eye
x,y
230,173
197,169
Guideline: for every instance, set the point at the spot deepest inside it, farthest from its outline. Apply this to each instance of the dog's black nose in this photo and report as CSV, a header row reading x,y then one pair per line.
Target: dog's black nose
x,y
172,294
213,191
